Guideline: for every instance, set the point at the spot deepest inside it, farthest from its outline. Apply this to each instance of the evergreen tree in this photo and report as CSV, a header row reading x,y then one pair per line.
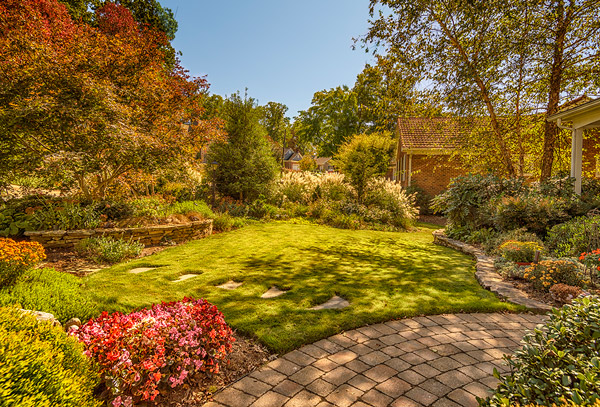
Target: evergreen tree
x,y
242,167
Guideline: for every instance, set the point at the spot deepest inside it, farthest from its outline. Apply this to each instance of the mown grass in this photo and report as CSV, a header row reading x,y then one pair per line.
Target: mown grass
x,y
384,275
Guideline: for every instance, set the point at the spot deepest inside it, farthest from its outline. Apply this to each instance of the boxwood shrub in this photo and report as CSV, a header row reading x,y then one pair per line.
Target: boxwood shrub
x,y
41,366
559,362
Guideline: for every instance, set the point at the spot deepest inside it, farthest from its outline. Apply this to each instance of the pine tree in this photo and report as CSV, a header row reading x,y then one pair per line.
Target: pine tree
x,y
242,166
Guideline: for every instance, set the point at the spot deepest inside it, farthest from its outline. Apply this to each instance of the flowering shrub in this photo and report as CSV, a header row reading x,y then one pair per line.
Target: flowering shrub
x,y
591,260
16,257
163,344
546,273
519,251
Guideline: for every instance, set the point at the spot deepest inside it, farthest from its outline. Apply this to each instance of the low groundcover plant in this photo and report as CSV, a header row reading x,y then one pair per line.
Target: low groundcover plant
x,y
163,344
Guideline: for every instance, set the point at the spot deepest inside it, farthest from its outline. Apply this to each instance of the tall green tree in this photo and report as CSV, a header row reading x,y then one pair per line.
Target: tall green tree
x,y
275,122
364,157
498,61
332,119
242,167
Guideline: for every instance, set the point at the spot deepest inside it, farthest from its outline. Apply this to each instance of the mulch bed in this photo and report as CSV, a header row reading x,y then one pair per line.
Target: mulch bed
x,y
70,261
247,356
527,287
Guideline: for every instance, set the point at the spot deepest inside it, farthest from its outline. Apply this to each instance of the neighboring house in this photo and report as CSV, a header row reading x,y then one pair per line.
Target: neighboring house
x,y
324,164
291,159
424,153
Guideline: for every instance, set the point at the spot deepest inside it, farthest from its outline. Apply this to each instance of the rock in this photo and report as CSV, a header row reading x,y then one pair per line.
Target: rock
x,y
43,316
72,323
334,302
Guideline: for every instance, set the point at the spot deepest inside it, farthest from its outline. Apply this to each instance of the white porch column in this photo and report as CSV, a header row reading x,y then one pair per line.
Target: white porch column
x,y
577,158
409,169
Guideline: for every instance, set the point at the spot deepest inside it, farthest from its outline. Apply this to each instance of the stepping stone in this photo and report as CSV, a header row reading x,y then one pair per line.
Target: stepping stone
x,y
273,292
334,302
141,270
230,285
184,277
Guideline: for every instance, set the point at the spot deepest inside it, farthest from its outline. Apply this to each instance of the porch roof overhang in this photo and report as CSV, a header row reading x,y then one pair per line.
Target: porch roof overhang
x,y
584,116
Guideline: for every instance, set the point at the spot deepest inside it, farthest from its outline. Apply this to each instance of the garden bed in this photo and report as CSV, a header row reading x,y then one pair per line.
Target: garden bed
x,y
68,260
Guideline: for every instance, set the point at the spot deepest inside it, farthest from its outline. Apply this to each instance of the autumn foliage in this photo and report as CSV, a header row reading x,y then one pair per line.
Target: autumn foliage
x,y
89,103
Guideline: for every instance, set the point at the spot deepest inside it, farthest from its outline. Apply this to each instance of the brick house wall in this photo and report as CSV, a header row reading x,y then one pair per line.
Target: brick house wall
x,y
432,173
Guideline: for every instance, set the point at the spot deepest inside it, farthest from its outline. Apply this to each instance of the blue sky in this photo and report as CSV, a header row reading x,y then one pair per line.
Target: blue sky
x,y
281,50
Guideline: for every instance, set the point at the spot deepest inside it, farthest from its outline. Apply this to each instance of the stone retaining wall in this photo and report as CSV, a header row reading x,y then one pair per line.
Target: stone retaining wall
x,y
150,235
487,276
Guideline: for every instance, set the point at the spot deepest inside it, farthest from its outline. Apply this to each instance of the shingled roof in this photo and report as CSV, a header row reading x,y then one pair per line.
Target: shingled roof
x,y
428,133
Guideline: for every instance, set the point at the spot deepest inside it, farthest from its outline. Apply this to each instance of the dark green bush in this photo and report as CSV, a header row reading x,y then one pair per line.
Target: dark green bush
x,y
473,202
464,203
114,210
106,249
48,290
260,209
559,363
534,212
42,366
422,199
574,237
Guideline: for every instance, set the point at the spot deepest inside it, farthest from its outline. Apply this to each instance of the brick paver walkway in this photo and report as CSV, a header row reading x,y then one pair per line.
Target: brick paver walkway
x,y
443,360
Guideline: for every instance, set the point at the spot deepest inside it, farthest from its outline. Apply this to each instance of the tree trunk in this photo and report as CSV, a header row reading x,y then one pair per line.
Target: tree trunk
x,y
554,85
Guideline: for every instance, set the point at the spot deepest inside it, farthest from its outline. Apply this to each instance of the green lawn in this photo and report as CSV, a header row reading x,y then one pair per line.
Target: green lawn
x,y
384,275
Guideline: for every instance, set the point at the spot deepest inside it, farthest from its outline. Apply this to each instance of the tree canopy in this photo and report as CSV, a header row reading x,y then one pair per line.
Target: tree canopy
x,y
92,103
364,157
497,62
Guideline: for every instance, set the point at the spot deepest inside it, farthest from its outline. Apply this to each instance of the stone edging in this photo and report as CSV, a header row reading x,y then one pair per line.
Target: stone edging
x,y
488,277
150,235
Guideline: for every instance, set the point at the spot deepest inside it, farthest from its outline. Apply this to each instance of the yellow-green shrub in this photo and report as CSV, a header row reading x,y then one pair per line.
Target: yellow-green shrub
x,y
41,366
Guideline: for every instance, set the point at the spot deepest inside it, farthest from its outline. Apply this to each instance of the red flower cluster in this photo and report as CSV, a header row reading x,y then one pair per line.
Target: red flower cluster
x,y
165,343
591,259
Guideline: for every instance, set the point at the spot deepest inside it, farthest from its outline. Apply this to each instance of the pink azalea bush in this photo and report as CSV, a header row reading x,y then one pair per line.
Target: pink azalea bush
x,y
166,343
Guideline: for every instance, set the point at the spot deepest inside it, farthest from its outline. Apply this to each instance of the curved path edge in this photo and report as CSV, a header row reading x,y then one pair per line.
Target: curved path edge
x,y
437,360
487,276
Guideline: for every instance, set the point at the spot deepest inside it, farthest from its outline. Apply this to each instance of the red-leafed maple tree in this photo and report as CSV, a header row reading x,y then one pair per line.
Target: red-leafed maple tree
x,y
92,103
